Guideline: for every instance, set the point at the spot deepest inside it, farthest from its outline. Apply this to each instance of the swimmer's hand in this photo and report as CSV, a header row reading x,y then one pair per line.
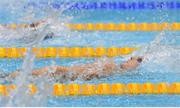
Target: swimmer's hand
x,y
14,74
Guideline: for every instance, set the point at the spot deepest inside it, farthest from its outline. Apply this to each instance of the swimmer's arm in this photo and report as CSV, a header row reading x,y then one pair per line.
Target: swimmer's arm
x,y
35,72
13,74
10,75
41,71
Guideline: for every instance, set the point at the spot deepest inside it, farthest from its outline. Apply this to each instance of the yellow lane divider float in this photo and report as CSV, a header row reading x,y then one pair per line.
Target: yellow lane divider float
x,y
67,52
125,26
101,89
114,27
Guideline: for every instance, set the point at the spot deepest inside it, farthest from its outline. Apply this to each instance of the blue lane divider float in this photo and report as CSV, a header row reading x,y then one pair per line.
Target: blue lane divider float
x,y
118,5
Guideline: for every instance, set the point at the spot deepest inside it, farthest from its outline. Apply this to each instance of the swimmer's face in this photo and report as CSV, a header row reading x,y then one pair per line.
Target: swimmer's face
x,y
138,59
32,25
132,63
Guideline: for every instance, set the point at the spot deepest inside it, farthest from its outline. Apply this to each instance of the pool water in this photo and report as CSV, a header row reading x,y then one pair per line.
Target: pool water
x,y
162,66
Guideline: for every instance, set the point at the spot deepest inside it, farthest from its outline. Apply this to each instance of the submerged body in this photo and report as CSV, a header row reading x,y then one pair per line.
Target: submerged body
x,y
86,71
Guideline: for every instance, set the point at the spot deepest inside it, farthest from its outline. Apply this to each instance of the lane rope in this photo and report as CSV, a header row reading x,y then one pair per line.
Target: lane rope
x,y
101,89
67,52
175,26
125,26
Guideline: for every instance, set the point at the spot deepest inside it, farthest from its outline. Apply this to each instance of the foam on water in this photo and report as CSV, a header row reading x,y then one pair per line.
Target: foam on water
x,y
163,55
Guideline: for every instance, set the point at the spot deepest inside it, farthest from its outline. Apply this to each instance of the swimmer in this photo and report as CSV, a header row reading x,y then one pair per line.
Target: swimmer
x,y
34,26
86,71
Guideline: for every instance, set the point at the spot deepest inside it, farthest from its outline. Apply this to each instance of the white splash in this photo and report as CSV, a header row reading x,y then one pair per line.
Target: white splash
x,y
33,38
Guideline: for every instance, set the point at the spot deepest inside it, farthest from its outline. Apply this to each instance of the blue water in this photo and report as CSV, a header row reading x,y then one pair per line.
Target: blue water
x,y
160,69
